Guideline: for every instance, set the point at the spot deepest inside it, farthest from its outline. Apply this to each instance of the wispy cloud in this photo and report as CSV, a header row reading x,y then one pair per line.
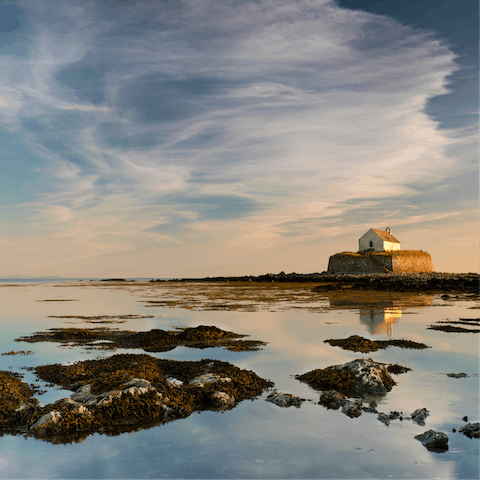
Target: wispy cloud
x,y
166,118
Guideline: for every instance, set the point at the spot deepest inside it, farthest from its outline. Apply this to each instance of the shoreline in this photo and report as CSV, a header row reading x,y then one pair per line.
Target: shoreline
x,y
425,282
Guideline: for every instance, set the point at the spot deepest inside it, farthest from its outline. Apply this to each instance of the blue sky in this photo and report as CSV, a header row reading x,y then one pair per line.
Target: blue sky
x,y
230,137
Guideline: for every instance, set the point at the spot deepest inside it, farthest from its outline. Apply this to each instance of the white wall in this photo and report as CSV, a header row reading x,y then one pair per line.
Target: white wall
x,y
390,246
370,236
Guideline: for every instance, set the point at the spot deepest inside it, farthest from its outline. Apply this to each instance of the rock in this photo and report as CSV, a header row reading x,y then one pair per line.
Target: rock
x,y
358,378
208,378
49,419
332,399
82,393
457,375
352,409
223,400
284,400
465,418
471,430
82,410
372,378
372,407
139,383
384,418
394,415
419,416
137,390
434,441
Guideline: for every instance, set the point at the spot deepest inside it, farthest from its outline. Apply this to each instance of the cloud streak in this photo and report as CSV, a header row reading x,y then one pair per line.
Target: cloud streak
x,y
169,119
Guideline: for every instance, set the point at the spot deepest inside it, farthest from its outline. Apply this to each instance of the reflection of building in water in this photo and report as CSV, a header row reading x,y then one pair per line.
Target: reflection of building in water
x,y
378,310
380,321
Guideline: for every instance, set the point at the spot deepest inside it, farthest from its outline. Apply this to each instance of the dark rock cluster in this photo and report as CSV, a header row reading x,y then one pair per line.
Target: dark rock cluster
x,y
428,282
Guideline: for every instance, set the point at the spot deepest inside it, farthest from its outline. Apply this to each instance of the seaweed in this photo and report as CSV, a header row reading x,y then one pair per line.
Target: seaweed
x,y
155,340
356,343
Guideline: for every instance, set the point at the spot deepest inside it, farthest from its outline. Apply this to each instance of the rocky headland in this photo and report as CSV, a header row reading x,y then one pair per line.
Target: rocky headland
x,y
400,282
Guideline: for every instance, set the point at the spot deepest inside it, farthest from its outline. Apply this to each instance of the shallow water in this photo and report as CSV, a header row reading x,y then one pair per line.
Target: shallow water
x,y
257,439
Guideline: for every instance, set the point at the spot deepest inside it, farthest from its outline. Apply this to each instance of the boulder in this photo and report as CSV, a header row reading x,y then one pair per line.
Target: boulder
x,y
352,409
434,441
104,398
82,393
206,379
372,378
48,420
335,400
223,400
384,418
138,383
457,375
471,430
361,377
372,407
284,400
332,399
419,416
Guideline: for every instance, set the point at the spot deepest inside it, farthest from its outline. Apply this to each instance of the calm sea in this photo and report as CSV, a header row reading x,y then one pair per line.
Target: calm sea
x,y
257,439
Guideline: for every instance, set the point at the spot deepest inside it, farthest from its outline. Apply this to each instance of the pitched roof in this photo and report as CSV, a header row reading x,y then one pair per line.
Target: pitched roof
x,y
388,237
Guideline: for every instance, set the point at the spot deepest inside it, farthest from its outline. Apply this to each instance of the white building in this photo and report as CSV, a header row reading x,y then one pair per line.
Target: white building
x,y
378,241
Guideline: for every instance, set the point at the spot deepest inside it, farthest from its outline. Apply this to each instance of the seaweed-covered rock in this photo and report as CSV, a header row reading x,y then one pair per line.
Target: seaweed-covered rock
x,y
332,399
128,392
48,420
396,369
222,400
154,340
82,393
356,343
434,441
17,404
205,333
352,409
384,418
357,378
372,407
207,379
457,375
419,416
471,430
284,400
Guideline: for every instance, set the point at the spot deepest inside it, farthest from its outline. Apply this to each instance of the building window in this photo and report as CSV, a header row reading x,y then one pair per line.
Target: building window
x,y
371,243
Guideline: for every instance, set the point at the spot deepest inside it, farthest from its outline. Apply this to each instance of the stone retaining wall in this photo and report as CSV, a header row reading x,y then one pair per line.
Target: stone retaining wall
x,y
381,262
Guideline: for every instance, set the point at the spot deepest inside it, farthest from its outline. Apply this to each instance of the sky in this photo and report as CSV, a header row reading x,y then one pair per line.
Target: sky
x,y
194,138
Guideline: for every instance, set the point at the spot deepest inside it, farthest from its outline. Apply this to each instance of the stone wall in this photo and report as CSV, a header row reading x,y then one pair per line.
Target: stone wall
x,y
381,262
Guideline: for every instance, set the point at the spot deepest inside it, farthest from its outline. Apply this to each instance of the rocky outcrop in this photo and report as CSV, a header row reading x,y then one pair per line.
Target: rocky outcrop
x,y
284,400
402,282
207,379
356,378
45,422
222,400
419,416
434,441
471,430
122,393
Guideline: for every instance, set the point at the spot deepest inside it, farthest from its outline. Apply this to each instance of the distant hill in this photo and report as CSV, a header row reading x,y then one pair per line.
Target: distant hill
x,y
28,277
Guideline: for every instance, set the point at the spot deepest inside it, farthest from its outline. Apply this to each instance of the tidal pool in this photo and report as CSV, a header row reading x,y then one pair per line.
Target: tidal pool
x,y
257,439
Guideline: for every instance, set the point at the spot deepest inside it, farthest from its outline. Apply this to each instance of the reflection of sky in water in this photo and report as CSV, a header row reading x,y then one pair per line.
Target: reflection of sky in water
x,y
258,439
